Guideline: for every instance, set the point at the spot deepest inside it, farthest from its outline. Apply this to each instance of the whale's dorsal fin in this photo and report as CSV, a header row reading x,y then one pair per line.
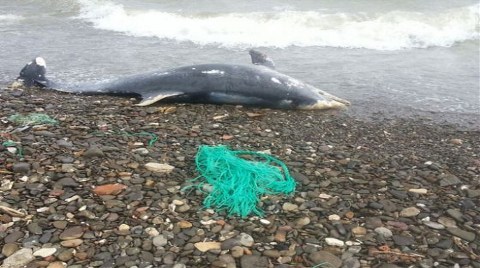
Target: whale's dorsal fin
x,y
152,98
259,58
33,74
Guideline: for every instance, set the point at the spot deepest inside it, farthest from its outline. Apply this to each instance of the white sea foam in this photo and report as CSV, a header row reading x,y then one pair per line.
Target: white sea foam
x,y
386,31
9,18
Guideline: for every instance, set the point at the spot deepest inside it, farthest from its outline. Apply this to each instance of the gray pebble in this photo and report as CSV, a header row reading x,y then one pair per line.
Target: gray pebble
x,y
67,182
254,261
385,232
160,241
132,251
456,214
34,228
9,248
21,168
93,151
434,225
230,243
445,243
469,236
318,257
246,240
271,253
403,240
449,180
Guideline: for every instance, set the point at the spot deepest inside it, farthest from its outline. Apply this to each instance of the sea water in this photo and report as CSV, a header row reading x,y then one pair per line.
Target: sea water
x,y
387,57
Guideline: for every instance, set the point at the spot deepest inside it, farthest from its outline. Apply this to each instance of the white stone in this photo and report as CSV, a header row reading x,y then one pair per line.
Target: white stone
x,y
334,217
206,246
353,243
151,231
42,209
264,221
334,242
209,222
325,196
140,151
44,252
456,141
6,185
268,151
73,198
418,191
160,168
177,202
123,227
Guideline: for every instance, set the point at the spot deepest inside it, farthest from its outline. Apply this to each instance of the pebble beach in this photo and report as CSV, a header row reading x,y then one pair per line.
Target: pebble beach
x,y
102,187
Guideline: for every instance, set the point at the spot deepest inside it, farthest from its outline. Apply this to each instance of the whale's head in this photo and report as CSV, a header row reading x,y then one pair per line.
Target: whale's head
x,y
33,74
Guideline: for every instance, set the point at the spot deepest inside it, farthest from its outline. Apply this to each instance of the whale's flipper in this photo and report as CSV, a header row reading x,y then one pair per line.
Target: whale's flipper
x,y
152,98
33,74
259,58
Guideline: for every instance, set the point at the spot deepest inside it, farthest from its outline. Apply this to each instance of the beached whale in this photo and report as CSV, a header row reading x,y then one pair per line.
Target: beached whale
x,y
251,85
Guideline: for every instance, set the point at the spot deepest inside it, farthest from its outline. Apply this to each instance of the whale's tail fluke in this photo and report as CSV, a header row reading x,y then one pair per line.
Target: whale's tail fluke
x,y
33,74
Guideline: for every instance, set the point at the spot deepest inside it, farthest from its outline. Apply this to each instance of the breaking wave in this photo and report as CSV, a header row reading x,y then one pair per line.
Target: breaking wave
x,y
9,18
382,31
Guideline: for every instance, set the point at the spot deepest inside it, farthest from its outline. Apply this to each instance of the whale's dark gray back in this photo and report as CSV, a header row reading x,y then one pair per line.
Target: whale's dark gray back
x,y
218,83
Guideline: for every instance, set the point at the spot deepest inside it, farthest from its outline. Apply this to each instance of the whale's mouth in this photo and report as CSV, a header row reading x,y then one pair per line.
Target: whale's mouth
x,y
342,101
328,99
327,105
18,83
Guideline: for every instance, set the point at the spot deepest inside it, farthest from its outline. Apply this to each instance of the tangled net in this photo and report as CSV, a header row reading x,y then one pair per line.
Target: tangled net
x,y
32,119
238,183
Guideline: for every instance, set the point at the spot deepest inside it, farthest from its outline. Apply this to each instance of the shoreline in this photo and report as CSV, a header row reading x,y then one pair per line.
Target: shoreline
x,y
461,121
403,191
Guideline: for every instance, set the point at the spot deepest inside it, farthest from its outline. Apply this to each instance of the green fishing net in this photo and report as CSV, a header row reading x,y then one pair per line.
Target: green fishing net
x,y
239,183
32,119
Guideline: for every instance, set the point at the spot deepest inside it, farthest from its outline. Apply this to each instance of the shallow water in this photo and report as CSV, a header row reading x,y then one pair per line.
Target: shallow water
x,y
391,57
